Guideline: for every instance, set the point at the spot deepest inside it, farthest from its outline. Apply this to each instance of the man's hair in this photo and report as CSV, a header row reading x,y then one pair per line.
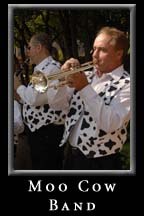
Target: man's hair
x,y
118,37
42,38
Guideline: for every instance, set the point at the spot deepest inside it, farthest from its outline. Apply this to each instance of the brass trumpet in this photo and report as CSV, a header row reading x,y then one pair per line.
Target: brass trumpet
x,y
22,67
41,82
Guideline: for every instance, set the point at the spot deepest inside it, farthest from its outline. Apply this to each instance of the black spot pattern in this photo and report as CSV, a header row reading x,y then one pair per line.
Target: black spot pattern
x,y
74,103
122,77
92,139
28,107
112,88
86,113
111,98
35,121
45,65
123,131
90,118
101,138
79,140
79,107
91,154
110,144
71,112
101,133
58,112
116,83
101,94
52,112
127,81
49,116
30,117
46,107
47,121
117,150
84,148
102,152
37,107
85,124
54,63
119,137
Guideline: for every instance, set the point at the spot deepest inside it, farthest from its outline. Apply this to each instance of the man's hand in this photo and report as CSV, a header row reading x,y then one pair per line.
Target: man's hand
x,y
69,64
17,82
77,80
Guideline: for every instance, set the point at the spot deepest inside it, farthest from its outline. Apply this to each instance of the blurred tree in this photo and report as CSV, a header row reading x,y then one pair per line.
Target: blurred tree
x,y
66,26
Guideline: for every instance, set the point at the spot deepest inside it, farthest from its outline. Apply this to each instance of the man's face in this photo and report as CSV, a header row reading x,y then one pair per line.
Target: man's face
x,y
105,54
32,52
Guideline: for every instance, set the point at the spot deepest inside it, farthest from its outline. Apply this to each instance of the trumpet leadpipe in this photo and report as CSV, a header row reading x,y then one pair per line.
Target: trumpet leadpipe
x,y
62,74
41,82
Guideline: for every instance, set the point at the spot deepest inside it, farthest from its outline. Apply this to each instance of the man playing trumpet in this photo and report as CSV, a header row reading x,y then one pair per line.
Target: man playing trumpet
x,y
99,106
43,124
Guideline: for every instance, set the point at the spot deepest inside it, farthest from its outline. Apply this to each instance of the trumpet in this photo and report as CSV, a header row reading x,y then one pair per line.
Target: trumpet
x,y
22,72
41,82
22,67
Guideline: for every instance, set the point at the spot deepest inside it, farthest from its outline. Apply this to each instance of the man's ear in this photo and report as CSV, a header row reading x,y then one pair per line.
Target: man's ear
x,y
39,47
120,54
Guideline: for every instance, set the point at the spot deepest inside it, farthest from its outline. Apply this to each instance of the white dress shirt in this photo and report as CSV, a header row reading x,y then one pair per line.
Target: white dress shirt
x,y
108,118
111,118
18,122
36,111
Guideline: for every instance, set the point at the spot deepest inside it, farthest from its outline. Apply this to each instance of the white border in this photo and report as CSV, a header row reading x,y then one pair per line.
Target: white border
x,y
132,170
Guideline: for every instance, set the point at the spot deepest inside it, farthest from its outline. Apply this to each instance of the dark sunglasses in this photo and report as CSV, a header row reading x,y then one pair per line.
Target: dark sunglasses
x,y
29,47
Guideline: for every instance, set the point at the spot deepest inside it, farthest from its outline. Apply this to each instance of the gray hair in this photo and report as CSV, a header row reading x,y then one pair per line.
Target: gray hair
x,y
43,39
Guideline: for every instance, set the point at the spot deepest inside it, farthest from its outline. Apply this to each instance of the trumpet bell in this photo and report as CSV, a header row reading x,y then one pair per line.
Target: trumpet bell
x,y
39,82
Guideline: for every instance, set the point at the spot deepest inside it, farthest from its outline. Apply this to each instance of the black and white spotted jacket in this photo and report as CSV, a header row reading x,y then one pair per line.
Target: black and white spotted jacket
x,y
93,141
36,116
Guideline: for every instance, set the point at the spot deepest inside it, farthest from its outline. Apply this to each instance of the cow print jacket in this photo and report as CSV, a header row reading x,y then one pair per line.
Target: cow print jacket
x,y
94,142
37,116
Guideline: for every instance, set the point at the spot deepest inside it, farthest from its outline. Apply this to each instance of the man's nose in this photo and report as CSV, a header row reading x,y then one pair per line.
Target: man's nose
x,y
95,53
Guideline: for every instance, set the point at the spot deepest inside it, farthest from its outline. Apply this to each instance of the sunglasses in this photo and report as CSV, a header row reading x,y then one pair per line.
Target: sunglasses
x,y
29,47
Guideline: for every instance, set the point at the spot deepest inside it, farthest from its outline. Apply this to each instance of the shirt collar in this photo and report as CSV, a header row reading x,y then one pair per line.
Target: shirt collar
x,y
115,74
42,63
